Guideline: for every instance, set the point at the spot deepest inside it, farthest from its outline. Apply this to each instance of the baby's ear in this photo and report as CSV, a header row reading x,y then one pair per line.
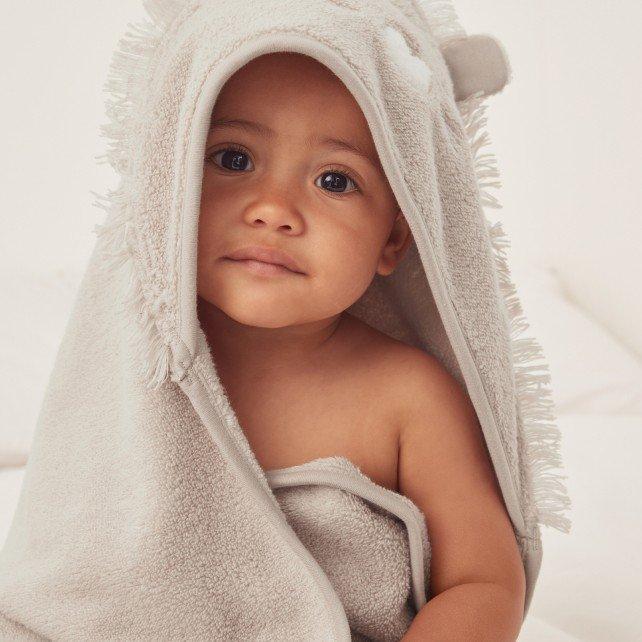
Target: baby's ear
x,y
396,246
476,63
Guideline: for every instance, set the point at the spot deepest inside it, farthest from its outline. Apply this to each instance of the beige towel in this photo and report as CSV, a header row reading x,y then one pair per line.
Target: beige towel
x,y
144,514
371,542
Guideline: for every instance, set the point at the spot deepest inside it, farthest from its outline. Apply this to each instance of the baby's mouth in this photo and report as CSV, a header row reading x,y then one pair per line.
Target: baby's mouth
x,y
261,267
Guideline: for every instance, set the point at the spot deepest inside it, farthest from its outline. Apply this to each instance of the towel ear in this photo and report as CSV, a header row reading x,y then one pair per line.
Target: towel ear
x,y
476,63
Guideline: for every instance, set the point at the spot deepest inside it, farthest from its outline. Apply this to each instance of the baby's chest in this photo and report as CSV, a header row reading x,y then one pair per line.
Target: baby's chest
x,y
285,429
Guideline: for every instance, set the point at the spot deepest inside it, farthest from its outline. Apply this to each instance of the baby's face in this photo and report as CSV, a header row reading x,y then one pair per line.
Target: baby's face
x,y
279,181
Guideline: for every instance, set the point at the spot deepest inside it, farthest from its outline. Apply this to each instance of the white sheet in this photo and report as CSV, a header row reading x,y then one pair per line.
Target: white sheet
x,y
589,585
591,370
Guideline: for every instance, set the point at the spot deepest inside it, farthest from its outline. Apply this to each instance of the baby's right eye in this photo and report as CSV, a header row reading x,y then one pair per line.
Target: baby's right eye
x,y
235,156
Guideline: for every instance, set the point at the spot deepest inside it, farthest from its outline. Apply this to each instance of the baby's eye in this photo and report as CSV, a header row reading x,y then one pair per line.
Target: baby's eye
x,y
336,179
233,158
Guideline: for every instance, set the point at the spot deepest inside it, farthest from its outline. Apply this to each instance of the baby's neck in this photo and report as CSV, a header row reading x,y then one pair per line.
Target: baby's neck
x,y
257,350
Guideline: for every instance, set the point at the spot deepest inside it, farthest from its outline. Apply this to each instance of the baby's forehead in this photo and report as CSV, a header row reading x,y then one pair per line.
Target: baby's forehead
x,y
286,94
291,81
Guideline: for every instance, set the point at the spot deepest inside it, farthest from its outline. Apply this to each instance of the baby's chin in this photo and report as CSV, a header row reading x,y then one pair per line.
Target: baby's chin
x,y
256,308
266,317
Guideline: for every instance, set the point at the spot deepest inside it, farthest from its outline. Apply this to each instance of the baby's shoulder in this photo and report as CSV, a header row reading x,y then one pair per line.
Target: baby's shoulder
x,y
406,378
418,388
403,364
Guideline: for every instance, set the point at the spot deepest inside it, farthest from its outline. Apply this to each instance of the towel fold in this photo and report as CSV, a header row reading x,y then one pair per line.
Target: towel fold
x,y
371,542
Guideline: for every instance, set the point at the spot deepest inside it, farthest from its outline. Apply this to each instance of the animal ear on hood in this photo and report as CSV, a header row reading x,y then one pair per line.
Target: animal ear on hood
x,y
476,63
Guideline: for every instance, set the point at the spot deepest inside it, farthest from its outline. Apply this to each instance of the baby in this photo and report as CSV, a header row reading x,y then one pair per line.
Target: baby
x,y
292,177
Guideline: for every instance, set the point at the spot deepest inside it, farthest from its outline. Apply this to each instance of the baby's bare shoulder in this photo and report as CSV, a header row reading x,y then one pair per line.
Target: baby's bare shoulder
x,y
389,356
444,468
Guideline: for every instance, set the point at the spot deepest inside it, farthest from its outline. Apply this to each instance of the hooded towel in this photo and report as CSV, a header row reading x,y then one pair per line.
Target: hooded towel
x,y
144,513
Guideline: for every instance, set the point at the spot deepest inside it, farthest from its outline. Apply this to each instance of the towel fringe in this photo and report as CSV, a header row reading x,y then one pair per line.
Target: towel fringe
x,y
532,378
128,75
441,18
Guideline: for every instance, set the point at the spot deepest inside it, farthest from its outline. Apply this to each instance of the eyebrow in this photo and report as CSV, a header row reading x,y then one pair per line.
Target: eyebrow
x,y
337,144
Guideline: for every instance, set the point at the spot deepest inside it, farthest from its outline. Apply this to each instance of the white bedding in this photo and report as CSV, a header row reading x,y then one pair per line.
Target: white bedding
x,y
588,587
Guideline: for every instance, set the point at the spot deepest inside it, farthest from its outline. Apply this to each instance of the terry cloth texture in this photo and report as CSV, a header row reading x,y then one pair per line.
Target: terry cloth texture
x,y
370,541
144,513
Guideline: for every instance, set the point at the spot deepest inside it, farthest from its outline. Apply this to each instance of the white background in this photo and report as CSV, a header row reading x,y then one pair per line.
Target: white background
x,y
567,136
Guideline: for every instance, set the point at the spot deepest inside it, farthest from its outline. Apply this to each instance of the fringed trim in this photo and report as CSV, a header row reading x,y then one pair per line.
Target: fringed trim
x,y
535,403
127,79
536,407
441,17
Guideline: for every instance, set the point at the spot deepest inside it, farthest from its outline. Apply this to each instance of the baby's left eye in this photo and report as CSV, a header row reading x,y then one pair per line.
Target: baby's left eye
x,y
335,179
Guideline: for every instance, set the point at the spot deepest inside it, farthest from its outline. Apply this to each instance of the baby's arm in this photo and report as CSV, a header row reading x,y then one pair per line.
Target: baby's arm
x,y
477,582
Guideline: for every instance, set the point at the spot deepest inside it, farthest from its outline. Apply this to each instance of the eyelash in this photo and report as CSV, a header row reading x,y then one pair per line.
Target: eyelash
x,y
333,170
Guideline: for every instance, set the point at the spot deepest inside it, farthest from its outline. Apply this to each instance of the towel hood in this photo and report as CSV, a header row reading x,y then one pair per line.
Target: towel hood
x,y
140,483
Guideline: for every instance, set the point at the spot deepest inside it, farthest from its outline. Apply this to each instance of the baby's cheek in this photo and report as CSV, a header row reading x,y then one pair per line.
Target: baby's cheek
x,y
351,268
